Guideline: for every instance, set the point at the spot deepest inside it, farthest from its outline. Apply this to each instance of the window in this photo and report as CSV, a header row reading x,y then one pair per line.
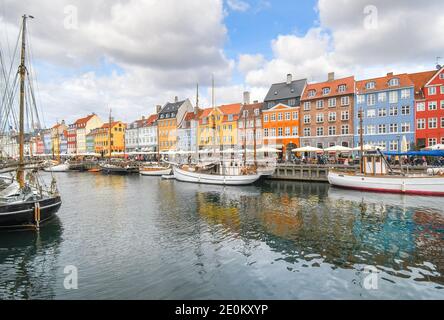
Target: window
x,y
393,111
394,82
287,131
345,129
307,119
266,132
295,131
295,115
332,102
405,94
331,131
326,91
266,118
370,85
311,93
442,122
382,112
257,112
420,106
319,104
307,106
292,102
273,132
342,88
405,110
382,128
273,117
394,145
432,142
280,117
393,128
433,123
432,91
371,113
319,118
382,97
371,99
320,131
270,105
442,89
441,76
287,116
405,127
421,124
332,116
442,104
393,97
361,98
345,101
307,132
433,105
345,115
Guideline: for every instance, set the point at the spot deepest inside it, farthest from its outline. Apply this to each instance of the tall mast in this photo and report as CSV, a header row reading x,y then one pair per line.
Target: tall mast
x,y
214,115
109,134
361,138
196,119
22,72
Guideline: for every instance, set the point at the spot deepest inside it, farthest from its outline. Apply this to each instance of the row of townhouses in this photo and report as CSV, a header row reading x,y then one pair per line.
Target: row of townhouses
x,y
294,113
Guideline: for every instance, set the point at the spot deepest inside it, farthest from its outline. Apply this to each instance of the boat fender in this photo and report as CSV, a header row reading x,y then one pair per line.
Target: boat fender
x,y
37,215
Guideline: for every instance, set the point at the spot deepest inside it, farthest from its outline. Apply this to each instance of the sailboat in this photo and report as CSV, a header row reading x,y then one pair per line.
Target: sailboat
x,y
26,202
376,175
58,166
217,173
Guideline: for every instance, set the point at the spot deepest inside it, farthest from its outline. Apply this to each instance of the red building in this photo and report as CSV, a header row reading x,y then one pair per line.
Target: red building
x,y
40,146
72,139
429,107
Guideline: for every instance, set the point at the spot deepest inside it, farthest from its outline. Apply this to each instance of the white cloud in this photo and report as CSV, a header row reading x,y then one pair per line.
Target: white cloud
x,y
238,5
248,62
399,41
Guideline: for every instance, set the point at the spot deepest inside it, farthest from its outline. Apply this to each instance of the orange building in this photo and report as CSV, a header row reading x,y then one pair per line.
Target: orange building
x,y
281,128
102,138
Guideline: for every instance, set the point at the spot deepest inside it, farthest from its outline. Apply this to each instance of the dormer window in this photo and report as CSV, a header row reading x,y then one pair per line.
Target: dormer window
x,y
342,88
441,76
311,93
370,85
326,91
275,93
394,82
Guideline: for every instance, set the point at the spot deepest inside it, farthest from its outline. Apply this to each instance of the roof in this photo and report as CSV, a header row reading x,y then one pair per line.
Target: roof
x,y
381,83
234,108
84,120
171,107
280,91
190,116
250,108
420,79
106,125
349,82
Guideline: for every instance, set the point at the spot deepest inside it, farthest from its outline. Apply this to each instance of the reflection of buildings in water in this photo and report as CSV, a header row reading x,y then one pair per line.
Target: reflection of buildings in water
x,y
28,262
301,188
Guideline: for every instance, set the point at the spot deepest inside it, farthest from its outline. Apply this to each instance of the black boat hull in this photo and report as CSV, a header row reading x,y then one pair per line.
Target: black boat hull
x,y
23,215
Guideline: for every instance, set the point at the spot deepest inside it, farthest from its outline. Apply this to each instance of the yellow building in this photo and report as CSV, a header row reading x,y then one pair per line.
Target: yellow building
x,y
57,133
102,139
218,127
169,118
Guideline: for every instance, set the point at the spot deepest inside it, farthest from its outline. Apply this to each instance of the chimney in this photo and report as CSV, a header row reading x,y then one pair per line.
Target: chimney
x,y
158,108
390,74
246,97
289,78
176,99
331,76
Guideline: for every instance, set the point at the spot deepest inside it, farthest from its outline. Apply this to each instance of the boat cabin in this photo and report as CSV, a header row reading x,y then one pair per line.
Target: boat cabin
x,y
374,164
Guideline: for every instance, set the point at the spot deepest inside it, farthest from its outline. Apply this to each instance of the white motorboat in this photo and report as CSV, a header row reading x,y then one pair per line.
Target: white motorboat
x,y
64,167
155,171
217,179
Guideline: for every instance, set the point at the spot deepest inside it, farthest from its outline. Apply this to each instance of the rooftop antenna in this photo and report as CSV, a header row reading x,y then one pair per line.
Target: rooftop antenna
x,y
212,91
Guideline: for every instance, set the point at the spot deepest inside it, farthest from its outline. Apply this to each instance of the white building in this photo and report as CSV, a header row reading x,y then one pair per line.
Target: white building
x,y
141,135
83,127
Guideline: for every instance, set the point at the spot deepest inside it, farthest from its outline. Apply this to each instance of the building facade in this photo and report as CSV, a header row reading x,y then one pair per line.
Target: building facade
x,y
250,134
72,139
287,93
387,106
429,104
327,113
84,127
141,135
103,143
169,118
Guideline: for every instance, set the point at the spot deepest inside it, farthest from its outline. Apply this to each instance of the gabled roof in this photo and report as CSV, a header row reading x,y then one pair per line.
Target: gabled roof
x,y
382,83
115,123
250,108
84,121
279,91
280,106
151,119
433,78
420,79
333,85
228,109
171,107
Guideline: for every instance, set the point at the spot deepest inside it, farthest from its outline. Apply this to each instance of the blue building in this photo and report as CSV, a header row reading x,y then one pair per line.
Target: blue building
x,y
47,141
387,104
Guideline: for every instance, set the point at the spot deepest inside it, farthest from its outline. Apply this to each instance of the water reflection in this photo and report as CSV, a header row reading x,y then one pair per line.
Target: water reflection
x,y
28,262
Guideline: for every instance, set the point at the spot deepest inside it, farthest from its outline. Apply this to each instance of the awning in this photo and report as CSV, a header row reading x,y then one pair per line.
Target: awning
x,y
432,153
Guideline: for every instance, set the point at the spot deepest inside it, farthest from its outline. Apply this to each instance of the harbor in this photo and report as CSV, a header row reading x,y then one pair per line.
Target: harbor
x,y
134,237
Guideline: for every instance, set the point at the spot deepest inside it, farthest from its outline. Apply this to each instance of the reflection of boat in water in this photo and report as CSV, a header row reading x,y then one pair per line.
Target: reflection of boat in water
x,y
232,192
387,199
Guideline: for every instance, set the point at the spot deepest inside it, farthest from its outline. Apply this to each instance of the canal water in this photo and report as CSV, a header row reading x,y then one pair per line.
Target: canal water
x,y
145,238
